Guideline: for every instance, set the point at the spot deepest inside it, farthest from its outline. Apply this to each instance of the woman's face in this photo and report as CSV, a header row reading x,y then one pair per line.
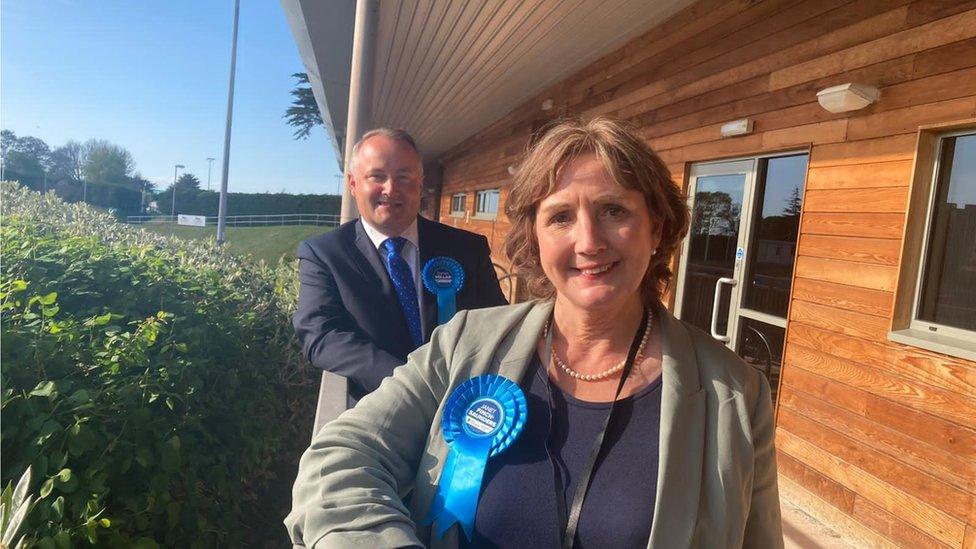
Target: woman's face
x,y
595,237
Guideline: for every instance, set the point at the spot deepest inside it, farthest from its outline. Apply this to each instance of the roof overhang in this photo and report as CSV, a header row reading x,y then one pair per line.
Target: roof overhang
x,y
445,69
323,33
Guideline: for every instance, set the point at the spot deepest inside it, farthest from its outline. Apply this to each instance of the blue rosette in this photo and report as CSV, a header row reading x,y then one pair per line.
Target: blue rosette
x,y
443,276
483,416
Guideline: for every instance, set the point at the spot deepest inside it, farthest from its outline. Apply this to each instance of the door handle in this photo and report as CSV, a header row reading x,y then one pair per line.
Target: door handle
x,y
718,296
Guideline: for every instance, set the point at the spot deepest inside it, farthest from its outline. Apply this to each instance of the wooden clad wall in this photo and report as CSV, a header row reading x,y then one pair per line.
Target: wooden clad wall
x,y
877,438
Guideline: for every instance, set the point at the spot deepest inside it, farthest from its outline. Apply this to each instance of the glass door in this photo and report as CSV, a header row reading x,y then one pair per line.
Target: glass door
x,y
707,278
737,261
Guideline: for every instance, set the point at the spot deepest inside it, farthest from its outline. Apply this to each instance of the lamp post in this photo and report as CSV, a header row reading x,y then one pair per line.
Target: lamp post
x,y
210,162
222,202
172,212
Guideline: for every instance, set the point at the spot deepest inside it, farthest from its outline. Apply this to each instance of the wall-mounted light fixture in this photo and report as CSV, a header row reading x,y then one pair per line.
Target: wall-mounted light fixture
x,y
742,126
547,105
847,97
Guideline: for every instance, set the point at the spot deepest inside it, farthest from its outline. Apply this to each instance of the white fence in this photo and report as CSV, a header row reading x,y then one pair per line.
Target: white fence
x,y
325,220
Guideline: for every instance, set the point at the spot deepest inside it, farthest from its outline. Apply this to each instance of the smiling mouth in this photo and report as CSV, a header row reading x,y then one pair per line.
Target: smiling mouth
x,y
597,270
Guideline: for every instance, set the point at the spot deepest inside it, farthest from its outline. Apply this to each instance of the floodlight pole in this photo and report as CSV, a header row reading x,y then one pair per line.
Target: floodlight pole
x,y
222,205
172,212
210,162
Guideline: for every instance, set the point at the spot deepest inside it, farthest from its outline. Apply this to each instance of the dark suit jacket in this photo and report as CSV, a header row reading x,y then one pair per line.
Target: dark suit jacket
x,y
349,320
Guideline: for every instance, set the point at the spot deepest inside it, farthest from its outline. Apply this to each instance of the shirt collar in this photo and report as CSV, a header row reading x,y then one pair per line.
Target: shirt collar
x,y
377,238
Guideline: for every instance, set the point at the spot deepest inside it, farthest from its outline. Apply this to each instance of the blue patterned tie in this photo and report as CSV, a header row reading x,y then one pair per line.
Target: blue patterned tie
x,y
403,282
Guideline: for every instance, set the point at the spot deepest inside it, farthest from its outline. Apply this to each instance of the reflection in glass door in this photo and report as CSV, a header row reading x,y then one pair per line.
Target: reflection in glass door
x,y
737,262
712,243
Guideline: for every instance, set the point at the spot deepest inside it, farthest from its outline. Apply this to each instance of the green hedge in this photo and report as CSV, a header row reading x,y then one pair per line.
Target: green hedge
x,y
124,200
194,202
153,384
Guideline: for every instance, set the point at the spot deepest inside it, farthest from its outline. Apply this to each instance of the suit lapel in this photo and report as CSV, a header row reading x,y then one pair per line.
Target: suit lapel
x,y
430,247
369,263
522,349
682,438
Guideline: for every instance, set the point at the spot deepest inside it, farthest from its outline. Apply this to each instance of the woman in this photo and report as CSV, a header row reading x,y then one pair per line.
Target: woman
x,y
640,432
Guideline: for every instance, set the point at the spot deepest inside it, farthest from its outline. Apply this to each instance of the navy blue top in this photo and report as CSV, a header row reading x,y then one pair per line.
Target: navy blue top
x,y
517,506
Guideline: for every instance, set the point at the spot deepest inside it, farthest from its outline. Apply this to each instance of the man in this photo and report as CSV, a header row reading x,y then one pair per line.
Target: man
x,y
361,305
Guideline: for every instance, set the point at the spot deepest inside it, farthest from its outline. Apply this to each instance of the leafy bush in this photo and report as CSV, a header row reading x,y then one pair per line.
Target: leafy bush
x,y
15,503
152,384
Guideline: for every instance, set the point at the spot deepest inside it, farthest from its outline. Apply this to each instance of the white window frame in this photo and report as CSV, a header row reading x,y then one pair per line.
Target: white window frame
x,y
482,195
922,333
464,204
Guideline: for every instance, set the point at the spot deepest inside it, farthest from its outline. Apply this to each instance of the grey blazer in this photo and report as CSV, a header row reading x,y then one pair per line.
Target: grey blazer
x,y
717,474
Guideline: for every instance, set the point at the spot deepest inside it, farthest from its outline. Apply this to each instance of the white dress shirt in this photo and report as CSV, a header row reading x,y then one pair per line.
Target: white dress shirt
x,y
410,253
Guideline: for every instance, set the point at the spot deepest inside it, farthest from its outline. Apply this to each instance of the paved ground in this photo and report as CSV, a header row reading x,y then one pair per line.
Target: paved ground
x,y
801,531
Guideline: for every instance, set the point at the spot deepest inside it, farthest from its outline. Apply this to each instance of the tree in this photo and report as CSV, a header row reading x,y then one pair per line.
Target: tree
x,y
68,161
794,204
720,211
303,114
25,156
106,162
142,183
7,140
187,182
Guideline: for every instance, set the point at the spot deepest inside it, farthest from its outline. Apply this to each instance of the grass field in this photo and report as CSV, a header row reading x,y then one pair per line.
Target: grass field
x,y
261,243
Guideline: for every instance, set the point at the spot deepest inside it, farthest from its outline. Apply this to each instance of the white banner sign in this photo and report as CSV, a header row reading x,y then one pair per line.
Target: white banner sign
x,y
192,220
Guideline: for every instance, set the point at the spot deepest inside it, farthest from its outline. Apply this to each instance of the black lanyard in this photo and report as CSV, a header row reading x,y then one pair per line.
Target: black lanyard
x,y
568,524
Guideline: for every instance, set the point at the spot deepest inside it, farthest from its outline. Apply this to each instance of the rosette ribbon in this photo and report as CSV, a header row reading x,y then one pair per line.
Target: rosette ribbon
x,y
443,277
482,417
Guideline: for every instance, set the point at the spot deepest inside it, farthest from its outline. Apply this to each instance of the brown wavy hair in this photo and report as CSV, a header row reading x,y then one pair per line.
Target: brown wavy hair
x,y
628,160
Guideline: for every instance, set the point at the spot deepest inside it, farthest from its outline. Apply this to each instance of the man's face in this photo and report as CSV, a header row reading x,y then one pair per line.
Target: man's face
x,y
386,179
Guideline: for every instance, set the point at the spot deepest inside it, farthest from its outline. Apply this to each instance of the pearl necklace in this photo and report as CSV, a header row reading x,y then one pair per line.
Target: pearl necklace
x,y
599,376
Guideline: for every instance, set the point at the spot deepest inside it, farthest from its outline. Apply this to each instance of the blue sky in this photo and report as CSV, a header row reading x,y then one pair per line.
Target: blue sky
x,y
152,77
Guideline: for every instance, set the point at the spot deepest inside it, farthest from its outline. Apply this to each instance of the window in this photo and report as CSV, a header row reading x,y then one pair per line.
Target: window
x,y
942,311
459,202
486,204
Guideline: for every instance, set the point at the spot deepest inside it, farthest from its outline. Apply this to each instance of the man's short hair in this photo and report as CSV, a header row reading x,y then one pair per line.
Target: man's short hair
x,y
392,133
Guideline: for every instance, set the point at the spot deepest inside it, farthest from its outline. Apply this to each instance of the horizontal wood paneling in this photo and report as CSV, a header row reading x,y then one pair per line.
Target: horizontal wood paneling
x,y
910,118
869,151
904,534
938,402
912,509
932,369
883,434
891,199
853,532
956,470
864,250
869,225
956,502
830,490
861,176
865,275
922,426
936,33
841,296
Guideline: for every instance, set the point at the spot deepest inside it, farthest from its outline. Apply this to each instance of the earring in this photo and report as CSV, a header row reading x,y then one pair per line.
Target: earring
x,y
654,252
